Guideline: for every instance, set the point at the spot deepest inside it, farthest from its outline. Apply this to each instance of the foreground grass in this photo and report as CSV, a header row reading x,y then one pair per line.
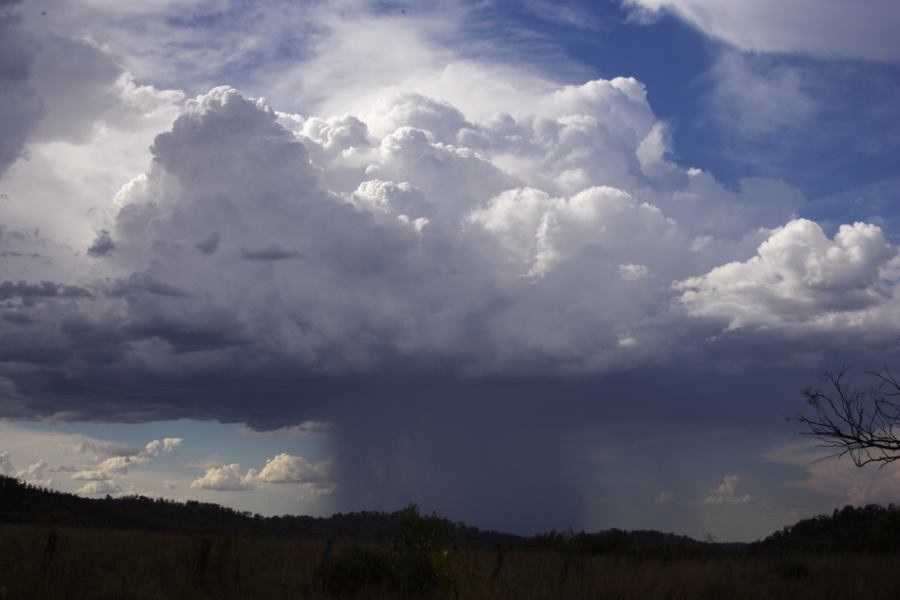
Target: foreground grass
x,y
71,564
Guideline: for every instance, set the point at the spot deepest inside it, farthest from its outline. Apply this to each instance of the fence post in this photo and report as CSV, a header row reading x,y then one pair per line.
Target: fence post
x,y
49,551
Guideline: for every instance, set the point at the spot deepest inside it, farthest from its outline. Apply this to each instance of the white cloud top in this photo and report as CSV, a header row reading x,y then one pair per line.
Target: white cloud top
x,y
798,277
727,492
285,468
543,243
556,236
227,478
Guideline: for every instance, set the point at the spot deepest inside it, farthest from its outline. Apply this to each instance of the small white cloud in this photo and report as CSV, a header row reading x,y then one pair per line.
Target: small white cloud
x,y
211,461
626,341
726,493
225,478
166,445
34,472
99,487
121,464
108,448
839,480
285,468
665,497
170,444
632,272
315,490
6,466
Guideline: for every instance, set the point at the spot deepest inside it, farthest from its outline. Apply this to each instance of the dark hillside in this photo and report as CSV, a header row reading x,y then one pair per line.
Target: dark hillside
x,y
868,529
21,503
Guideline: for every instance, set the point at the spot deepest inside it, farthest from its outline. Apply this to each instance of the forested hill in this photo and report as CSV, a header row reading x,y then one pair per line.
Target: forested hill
x,y
23,503
866,529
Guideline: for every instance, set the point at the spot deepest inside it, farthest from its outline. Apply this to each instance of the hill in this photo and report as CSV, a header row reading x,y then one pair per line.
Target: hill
x,y
868,529
21,503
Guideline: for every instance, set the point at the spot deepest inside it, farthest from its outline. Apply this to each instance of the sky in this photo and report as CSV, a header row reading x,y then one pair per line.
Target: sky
x,y
531,264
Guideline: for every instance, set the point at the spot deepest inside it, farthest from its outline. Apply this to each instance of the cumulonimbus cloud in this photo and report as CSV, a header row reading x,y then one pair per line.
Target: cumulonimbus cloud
x,y
264,253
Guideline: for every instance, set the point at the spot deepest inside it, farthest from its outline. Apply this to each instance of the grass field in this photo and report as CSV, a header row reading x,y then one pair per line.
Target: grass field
x,y
70,564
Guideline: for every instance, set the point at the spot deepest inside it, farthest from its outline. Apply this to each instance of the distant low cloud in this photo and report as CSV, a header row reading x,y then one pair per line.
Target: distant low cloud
x,y
840,481
35,474
108,448
285,468
727,492
99,487
665,497
6,466
310,479
118,465
226,478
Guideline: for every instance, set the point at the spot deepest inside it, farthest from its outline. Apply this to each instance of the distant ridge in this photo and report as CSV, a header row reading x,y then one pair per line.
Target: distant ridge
x,y
868,529
27,504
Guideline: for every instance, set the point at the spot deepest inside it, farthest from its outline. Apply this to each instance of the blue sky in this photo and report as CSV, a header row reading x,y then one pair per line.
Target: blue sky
x,y
529,264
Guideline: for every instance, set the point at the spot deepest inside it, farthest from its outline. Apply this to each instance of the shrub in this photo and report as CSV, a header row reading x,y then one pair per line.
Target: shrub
x,y
356,572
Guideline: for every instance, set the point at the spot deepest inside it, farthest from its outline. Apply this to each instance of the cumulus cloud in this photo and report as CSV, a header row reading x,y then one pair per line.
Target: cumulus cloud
x,y
665,497
837,480
35,474
99,487
108,448
812,27
727,493
269,248
316,490
6,466
166,445
202,465
798,277
225,478
285,468
120,464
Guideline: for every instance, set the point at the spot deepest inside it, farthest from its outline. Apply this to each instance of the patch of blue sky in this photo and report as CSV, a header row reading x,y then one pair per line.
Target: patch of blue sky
x,y
827,126
202,439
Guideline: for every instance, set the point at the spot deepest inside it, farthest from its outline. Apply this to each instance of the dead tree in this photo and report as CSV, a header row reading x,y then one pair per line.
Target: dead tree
x,y
863,423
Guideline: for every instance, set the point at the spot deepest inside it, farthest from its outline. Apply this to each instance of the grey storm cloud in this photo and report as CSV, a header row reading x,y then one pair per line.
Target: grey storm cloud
x,y
21,108
102,244
50,86
269,268
29,293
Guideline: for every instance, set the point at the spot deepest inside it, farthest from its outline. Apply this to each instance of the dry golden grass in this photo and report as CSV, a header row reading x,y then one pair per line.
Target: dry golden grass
x,y
98,564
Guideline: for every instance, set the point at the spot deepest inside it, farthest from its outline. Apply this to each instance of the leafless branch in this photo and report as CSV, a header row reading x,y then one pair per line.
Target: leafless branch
x,y
861,423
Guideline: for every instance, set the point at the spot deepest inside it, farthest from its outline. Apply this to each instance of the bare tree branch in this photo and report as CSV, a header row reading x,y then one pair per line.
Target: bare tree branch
x,y
861,423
